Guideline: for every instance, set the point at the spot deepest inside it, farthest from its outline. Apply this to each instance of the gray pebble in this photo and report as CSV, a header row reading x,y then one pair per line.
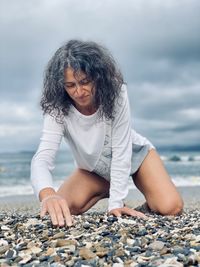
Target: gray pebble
x,y
157,245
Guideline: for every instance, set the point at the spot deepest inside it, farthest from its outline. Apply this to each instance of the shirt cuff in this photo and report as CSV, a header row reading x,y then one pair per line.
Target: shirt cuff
x,y
37,187
115,204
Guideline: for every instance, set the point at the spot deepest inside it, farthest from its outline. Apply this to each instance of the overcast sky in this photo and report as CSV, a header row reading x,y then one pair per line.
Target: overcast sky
x,y
156,44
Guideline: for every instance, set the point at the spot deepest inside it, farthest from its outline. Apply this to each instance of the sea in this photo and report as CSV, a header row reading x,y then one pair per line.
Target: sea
x,y
183,167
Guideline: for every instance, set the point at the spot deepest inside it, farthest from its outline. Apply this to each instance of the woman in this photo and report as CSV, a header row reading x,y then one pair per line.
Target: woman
x,y
85,100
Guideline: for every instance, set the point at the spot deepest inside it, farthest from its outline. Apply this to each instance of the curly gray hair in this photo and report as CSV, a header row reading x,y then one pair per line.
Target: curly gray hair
x,y
98,65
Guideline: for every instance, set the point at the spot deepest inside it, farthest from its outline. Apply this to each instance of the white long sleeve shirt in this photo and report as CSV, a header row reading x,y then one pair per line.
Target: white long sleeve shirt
x,y
103,146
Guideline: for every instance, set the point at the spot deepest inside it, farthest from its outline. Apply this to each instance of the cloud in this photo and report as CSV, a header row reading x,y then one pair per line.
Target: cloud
x,y
156,44
166,112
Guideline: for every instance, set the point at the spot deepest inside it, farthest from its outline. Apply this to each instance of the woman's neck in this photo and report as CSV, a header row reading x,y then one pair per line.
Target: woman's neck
x,y
86,110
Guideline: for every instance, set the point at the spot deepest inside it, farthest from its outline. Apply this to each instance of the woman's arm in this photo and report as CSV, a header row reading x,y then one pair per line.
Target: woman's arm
x,y
121,159
42,163
121,152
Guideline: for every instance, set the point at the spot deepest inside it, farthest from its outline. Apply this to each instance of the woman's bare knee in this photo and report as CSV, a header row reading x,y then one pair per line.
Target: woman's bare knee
x,y
75,209
82,190
167,207
153,180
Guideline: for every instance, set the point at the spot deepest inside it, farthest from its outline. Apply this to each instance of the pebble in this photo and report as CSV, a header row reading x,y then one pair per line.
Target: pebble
x,y
112,219
58,235
3,242
100,240
157,245
25,259
171,262
86,253
3,249
118,265
11,253
101,251
62,243
86,225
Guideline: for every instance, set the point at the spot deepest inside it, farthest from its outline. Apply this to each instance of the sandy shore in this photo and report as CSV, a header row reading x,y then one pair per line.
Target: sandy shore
x,y
29,203
96,239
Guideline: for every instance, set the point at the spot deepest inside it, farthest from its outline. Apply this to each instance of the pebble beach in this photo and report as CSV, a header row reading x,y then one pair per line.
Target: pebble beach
x,y
97,239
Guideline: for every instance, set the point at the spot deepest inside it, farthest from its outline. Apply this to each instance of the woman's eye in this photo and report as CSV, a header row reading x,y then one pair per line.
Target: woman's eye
x,y
69,85
84,82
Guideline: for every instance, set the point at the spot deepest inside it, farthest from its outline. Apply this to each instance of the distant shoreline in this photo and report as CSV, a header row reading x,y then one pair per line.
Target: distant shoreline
x,y
171,148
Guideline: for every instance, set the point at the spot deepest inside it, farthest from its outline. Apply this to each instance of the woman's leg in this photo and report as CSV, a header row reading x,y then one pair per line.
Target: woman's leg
x,y
83,189
154,182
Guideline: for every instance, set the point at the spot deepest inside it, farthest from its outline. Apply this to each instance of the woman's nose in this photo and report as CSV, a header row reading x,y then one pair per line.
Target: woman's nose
x,y
79,90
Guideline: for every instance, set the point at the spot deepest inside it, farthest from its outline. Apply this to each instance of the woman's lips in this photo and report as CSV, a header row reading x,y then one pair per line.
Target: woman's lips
x,y
82,98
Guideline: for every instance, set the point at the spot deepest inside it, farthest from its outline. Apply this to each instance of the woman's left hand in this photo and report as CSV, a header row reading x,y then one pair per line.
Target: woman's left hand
x,y
127,211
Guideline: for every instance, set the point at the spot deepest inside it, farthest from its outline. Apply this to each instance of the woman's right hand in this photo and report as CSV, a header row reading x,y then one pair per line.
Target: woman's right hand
x,y
58,210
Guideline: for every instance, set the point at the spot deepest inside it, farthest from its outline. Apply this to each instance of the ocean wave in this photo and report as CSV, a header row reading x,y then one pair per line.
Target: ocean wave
x,y
21,189
177,158
186,181
178,181
26,189
12,190
2,169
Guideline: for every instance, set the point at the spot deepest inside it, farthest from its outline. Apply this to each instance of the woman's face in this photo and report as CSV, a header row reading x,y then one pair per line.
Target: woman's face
x,y
79,89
